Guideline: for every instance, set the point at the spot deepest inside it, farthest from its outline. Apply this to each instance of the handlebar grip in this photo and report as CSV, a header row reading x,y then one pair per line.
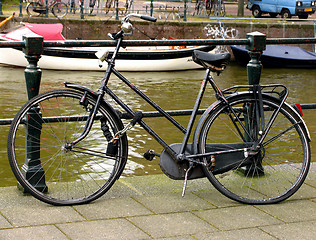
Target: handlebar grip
x,y
148,18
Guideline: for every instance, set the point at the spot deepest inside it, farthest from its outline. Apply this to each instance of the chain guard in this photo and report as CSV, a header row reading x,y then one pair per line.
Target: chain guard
x,y
176,170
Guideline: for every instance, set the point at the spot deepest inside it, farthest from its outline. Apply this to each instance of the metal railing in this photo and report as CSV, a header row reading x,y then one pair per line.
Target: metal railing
x,y
255,43
174,8
33,47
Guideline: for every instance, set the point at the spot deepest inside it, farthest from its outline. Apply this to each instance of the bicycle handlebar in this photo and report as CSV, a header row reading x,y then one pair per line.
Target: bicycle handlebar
x,y
127,28
144,17
148,18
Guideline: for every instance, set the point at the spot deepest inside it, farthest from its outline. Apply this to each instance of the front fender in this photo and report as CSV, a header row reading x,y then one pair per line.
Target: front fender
x,y
81,88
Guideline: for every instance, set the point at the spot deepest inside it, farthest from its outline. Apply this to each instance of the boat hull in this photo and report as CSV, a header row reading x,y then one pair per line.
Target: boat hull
x,y
85,60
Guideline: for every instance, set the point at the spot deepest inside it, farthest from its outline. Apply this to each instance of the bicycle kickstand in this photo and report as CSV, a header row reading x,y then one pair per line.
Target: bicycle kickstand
x,y
191,164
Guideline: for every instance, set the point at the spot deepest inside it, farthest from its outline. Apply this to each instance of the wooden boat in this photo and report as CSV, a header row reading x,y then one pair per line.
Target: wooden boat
x,y
278,56
129,59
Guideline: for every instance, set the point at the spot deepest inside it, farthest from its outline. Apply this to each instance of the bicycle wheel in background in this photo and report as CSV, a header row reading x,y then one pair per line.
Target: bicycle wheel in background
x,y
60,9
51,170
31,8
270,175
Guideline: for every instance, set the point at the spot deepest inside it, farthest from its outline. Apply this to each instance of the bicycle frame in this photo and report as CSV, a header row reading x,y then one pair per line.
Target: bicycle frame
x,y
137,117
105,89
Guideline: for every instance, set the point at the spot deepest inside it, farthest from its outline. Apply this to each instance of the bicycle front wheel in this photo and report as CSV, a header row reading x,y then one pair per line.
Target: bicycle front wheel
x,y
43,162
268,175
60,9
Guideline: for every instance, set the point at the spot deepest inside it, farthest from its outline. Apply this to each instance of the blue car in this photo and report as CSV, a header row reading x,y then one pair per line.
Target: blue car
x,y
286,8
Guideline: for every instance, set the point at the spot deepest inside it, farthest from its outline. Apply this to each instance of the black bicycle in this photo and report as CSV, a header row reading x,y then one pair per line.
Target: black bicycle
x,y
38,7
69,146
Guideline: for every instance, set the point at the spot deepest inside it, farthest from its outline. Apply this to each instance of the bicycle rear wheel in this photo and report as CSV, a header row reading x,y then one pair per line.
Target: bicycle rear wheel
x,y
269,175
60,9
51,171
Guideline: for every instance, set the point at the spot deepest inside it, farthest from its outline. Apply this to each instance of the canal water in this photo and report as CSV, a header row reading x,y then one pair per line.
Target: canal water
x,y
171,90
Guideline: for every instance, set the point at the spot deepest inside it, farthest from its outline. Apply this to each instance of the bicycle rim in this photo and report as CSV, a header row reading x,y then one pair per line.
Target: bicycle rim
x,y
50,171
271,175
31,7
60,10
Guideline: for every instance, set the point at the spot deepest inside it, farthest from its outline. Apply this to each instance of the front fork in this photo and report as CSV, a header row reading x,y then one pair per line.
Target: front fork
x,y
100,95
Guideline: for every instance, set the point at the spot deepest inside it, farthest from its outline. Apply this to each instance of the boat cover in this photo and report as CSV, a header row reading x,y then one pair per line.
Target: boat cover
x,y
278,56
50,32
289,52
281,51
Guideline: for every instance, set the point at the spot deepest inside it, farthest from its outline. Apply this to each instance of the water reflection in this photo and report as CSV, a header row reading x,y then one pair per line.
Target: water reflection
x,y
171,90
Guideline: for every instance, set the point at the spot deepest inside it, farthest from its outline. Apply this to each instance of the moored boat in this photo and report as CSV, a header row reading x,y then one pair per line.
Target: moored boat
x,y
278,56
129,59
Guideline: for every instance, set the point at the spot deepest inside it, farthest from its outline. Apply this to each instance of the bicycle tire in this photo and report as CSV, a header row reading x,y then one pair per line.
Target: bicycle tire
x,y
276,172
30,9
51,172
60,9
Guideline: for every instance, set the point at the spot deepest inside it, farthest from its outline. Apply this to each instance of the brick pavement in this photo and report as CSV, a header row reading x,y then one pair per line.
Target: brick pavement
x,y
151,207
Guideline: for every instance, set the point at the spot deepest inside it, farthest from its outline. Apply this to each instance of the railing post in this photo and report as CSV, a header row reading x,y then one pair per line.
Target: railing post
x,y
255,48
47,9
117,10
184,11
1,13
151,8
32,166
81,9
257,43
20,14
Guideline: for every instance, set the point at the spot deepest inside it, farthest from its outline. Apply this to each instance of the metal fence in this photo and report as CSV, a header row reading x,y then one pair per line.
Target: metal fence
x,y
171,9
255,43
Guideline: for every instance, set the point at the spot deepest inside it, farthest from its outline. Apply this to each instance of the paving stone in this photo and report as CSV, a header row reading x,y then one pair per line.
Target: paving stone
x,y
152,207
103,229
169,225
292,211
12,197
4,223
216,198
304,192
249,233
157,184
112,208
33,233
290,231
120,190
29,215
237,217
178,238
173,202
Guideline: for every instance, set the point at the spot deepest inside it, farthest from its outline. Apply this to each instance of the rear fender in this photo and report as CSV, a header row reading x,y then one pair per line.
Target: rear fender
x,y
216,104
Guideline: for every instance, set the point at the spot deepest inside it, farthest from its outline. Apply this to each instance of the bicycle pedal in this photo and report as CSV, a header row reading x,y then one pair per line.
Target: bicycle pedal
x,y
150,154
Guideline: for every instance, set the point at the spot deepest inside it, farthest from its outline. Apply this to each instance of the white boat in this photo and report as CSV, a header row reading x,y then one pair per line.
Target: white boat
x,y
129,58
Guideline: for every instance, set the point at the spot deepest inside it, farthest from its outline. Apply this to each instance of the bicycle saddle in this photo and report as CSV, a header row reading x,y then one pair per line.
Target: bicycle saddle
x,y
215,62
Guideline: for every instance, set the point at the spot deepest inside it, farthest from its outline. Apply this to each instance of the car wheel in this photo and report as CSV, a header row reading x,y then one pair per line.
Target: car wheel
x,y
256,11
286,13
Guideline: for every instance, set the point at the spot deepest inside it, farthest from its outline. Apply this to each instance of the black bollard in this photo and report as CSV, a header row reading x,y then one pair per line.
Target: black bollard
x,y
32,166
